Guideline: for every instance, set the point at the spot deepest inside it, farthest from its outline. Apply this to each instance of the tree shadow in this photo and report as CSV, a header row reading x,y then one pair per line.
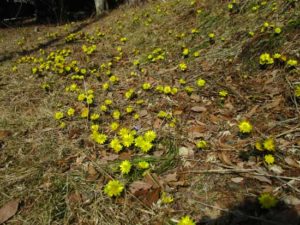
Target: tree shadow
x,y
250,213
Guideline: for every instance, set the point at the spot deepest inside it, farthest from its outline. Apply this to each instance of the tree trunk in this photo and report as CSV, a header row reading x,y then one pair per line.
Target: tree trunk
x,y
100,6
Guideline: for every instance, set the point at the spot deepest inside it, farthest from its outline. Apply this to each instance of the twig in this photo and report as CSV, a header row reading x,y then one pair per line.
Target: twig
x,y
249,171
288,132
287,184
292,96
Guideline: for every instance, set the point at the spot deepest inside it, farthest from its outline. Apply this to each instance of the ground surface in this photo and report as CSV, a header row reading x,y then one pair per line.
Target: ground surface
x,y
55,169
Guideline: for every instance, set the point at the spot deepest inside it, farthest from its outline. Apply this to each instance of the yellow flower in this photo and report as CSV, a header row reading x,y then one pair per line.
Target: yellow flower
x,y
201,82
189,89
129,109
150,136
95,116
211,35
245,127
116,114
84,113
98,138
196,54
114,126
277,56
113,79
223,93
297,90
105,86
258,146
103,108
114,188
265,59
94,128
146,86
108,102
167,90
182,81
143,165
201,144
267,201
185,52
292,62
58,115
139,102
165,198
71,112
269,144
277,30
159,88
162,114
81,97
186,220
269,159
127,139
129,94
125,167
251,33
145,146
136,116
116,145
174,90
90,99
183,67
62,125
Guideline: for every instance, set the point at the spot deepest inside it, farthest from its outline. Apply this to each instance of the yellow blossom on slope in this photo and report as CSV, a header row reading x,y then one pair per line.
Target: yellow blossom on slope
x,y
114,188
98,137
116,145
186,220
71,112
150,135
58,115
143,165
267,201
165,198
269,144
245,127
125,167
269,159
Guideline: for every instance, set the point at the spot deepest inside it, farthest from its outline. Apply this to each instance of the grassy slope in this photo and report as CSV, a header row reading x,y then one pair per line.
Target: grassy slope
x,y
52,170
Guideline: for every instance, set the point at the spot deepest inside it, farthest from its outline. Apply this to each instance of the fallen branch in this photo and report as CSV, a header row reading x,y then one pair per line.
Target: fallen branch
x,y
249,171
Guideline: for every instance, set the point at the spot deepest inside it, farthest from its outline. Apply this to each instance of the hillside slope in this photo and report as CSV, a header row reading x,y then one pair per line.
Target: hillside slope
x,y
190,107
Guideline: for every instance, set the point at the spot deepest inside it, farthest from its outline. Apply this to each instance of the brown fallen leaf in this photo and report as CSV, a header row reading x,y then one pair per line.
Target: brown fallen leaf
x,y
237,180
291,162
9,210
125,156
252,112
92,172
276,169
262,179
157,123
224,157
109,157
172,177
195,97
4,134
143,113
198,109
185,152
137,186
152,179
74,198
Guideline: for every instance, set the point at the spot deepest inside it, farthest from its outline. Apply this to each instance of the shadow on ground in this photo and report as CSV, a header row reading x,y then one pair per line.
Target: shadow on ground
x,y
250,213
